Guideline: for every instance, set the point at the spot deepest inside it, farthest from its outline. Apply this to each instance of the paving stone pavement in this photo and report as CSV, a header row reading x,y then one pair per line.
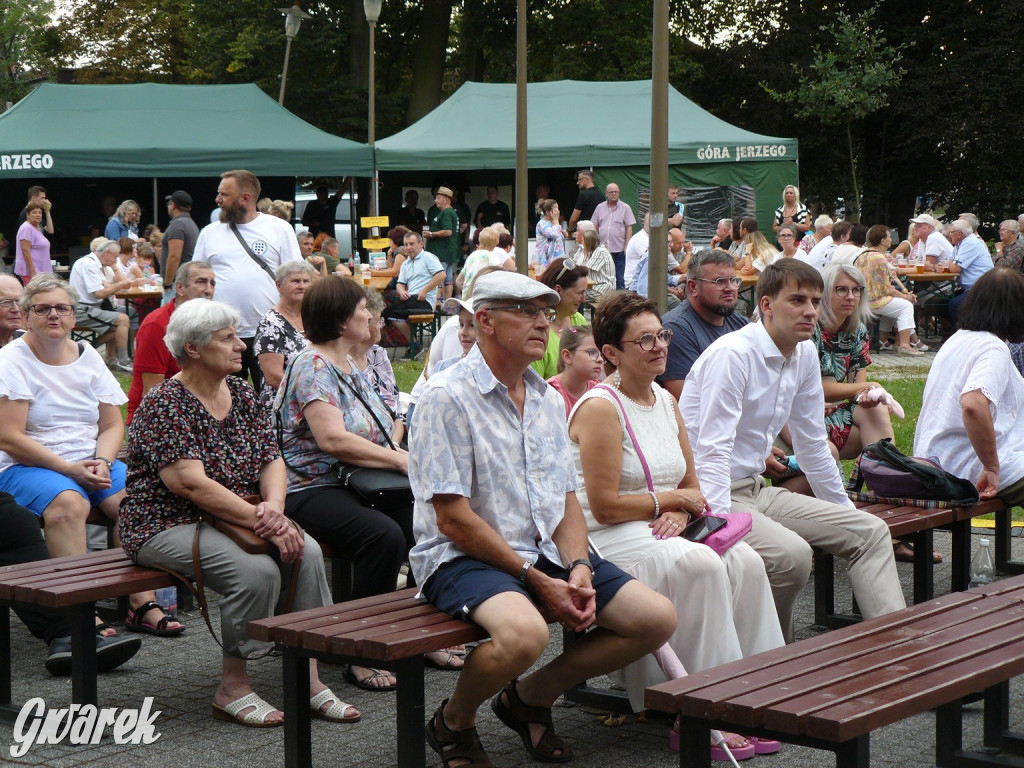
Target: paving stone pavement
x,y
182,674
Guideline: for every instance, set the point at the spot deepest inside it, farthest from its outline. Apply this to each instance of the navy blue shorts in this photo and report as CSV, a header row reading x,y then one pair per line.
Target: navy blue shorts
x,y
460,585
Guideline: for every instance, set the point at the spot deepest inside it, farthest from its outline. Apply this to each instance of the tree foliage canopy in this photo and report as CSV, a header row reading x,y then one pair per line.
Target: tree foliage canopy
x,y
944,128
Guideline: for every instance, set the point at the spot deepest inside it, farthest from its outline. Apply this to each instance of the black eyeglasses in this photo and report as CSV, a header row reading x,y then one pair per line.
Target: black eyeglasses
x,y
593,353
648,340
723,282
529,310
43,310
847,290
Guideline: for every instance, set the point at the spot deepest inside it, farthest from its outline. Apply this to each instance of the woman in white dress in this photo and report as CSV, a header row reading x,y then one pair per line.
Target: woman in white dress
x,y
724,603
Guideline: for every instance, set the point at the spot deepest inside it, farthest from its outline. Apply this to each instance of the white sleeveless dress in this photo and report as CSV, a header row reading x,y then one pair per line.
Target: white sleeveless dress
x,y
724,604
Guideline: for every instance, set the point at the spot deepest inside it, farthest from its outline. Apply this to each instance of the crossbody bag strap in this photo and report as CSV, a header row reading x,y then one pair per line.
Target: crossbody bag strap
x,y
366,406
629,431
262,264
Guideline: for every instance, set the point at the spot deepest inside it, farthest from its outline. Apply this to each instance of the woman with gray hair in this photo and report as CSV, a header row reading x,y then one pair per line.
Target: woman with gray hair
x,y
843,351
597,259
203,444
374,363
1009,252
280,335
61,410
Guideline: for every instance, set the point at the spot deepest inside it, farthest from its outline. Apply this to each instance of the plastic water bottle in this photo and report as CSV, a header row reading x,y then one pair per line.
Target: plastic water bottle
x,y
356,263
163,597
983,571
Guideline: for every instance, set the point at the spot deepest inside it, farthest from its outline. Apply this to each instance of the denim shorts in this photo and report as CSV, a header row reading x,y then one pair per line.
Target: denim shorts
x,y
460,585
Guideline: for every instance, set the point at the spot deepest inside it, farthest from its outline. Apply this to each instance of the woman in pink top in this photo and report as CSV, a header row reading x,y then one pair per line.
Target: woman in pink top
x,y
580,365
33,253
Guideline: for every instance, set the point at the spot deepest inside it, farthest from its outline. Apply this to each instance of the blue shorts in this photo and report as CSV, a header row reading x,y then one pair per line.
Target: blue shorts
x,y
460,585
35,488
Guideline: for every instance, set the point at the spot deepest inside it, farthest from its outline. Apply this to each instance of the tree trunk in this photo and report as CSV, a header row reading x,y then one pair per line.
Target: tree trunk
x,y
854,205
429,57
358,47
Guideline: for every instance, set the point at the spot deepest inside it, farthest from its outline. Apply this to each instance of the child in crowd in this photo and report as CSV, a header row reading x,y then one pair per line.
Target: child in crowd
x,y
580,365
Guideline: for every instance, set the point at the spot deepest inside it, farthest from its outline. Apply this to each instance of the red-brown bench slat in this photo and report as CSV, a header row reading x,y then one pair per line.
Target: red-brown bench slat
x,y
319,638
948,684
404,644
375,603
350,642
665,697
875,671
742,700
90,590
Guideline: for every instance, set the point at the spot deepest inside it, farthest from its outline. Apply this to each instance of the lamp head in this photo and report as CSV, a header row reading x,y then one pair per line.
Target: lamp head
x,y
293,18
372,10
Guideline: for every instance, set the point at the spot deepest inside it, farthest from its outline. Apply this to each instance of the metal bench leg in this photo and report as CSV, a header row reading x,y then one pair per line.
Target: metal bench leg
x,y
8,712
298,734
694,743
924,576
997,714
83,654
855,753
1004,532
824,588
411,714
949,734
961,565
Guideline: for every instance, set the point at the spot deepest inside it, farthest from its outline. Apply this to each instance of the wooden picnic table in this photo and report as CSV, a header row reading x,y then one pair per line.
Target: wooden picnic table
x,y
377,282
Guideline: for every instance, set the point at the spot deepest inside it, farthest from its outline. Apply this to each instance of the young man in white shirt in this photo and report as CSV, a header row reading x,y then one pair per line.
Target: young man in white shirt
x,y
738,395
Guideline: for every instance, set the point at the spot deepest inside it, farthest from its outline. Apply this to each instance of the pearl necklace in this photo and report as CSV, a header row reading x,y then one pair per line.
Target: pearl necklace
x,y
617,380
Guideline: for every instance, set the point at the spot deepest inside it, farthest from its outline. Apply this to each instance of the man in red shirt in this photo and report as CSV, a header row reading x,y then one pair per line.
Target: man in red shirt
x,y
153,361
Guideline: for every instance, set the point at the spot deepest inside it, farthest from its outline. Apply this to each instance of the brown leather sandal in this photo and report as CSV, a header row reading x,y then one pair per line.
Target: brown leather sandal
x,y
518,715
454,746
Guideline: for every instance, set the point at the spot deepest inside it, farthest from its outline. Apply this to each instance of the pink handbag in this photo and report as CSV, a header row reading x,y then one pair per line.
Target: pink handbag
x,y
737,524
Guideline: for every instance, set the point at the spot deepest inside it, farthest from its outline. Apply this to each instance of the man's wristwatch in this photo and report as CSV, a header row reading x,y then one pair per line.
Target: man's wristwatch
x,y
527,565
105,460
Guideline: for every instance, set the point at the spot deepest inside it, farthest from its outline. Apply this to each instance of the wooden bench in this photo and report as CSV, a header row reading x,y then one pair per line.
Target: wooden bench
x,y
831,691
916,525
69,585
390,631
419,325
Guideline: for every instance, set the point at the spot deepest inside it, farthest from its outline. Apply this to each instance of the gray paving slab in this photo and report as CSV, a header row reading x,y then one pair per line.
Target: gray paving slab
x,y
182,674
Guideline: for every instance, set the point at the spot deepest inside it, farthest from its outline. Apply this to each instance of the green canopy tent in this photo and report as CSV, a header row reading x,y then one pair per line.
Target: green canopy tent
x,y
723,170
142,141
155,130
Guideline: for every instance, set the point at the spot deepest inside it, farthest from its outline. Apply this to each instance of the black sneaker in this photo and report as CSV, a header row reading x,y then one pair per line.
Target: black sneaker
x,y
111,652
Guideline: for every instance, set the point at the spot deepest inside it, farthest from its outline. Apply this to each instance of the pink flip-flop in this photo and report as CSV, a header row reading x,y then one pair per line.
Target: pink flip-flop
x,y
765,746
717,753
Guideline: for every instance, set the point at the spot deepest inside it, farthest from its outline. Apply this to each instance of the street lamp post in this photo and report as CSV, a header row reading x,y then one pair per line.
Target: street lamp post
x,y
293,18
372,10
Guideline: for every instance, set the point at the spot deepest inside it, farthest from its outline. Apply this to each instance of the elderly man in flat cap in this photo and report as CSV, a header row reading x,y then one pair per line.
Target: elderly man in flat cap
x,y
501,539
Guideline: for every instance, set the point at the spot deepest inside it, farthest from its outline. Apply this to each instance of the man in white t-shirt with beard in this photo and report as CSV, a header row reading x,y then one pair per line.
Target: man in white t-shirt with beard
x,y
245,273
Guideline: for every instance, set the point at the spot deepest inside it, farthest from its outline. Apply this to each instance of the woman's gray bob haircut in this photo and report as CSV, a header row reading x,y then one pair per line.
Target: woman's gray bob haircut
x,y
196,321
830,276
43,282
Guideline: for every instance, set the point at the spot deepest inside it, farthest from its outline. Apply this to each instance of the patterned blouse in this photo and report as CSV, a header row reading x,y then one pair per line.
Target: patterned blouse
x,y
276,335
1012,257
171,424
550,244
381,376
842,356
314,377
878,275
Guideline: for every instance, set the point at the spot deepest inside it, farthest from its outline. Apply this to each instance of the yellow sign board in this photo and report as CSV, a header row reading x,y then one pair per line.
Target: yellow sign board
x,y
373,221
377,242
